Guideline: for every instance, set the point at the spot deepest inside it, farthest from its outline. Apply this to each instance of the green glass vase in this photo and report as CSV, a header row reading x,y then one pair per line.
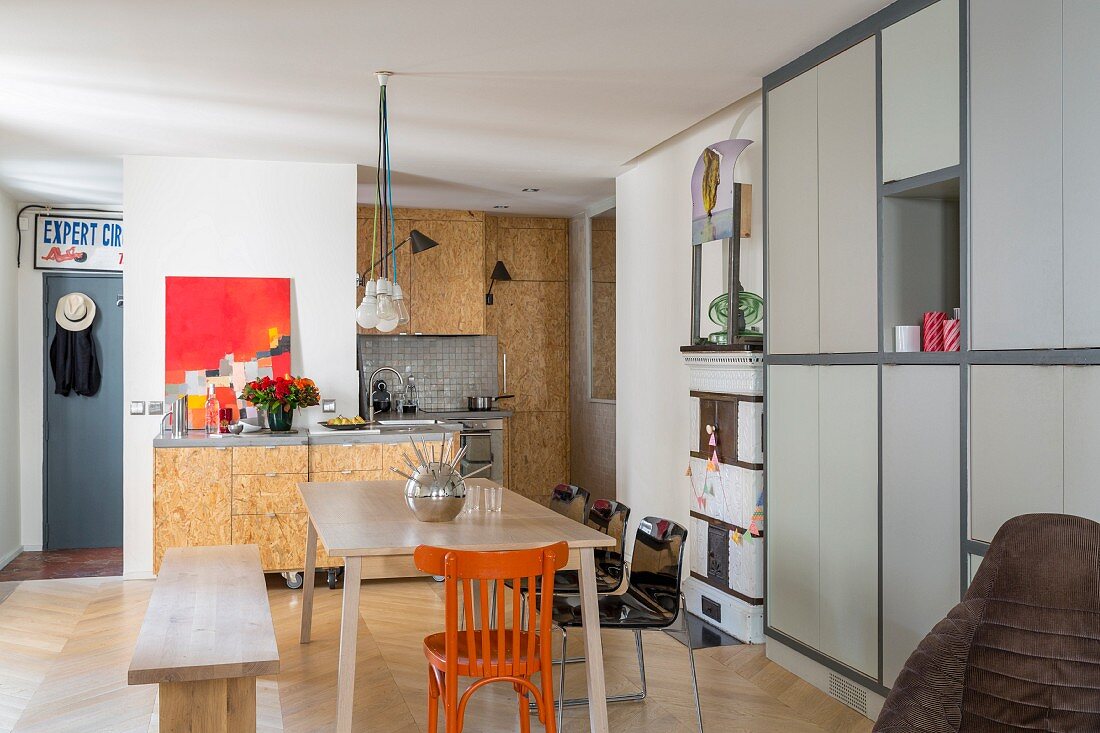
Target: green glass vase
x,y
280,420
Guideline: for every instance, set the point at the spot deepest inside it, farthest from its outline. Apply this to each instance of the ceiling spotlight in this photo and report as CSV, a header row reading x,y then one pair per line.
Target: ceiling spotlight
x,y
501,206
531,190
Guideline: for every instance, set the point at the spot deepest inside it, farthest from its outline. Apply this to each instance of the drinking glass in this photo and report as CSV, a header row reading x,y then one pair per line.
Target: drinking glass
x,y
473,499
494,498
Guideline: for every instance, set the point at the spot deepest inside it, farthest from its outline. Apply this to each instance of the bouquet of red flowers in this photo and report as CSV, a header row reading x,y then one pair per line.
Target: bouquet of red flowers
x,y
282,393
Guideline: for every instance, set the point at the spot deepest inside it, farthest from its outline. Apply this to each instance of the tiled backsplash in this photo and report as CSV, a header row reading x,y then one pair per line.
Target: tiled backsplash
x,y
448,369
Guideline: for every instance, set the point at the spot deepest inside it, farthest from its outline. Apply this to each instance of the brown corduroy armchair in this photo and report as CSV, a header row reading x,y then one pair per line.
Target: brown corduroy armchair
x,y
1022,650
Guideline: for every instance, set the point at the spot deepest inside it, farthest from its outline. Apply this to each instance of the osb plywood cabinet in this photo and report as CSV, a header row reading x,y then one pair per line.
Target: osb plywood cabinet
x,y
445,285
249,495
192,493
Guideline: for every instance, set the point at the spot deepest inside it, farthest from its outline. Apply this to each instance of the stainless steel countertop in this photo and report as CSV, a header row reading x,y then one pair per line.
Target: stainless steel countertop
x,y
315,435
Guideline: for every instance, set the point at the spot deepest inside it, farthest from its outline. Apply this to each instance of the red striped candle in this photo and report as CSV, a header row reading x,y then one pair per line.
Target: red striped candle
x,y
932,332
950,335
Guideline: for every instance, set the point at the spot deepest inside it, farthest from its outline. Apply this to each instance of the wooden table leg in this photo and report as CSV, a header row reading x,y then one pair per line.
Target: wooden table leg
x,y
349,631
593,645
308,578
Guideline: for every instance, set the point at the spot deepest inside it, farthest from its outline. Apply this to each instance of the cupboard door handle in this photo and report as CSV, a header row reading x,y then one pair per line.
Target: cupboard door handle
x,y
271,515
346,471
270,447
347,445
222,447
271,475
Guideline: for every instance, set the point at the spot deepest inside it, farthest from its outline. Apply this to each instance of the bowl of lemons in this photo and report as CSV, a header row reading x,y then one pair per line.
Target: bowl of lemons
x,y
345,423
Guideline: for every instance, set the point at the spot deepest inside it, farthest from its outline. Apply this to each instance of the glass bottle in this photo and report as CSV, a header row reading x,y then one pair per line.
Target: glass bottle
x,y
213,410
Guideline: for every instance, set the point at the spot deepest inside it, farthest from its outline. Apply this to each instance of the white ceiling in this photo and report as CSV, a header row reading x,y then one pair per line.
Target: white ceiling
x,y
489,96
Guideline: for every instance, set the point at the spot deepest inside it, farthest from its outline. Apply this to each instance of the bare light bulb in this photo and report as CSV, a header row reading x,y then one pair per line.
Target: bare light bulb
x,y
366,315
399,305
386,311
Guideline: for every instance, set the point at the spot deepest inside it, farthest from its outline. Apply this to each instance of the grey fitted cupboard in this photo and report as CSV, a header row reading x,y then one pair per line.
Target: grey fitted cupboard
x,y
823,531
1015,444
983,195
794,508
920,92
847,201
1034,112
848,496
822,177
1033,433
792,222
920,490
1081,171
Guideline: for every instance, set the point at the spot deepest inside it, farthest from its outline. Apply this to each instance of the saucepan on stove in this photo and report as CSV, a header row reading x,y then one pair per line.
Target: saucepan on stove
x,y
481,404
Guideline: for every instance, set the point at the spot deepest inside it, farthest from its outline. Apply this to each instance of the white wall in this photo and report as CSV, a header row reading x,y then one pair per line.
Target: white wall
x,y
653,271
10,538
204,217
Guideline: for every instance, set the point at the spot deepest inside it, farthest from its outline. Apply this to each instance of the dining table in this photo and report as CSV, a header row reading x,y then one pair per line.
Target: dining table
x,y
369,525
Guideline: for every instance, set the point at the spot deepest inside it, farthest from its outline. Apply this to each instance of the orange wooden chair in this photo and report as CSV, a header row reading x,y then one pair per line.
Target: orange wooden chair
x,y
505,653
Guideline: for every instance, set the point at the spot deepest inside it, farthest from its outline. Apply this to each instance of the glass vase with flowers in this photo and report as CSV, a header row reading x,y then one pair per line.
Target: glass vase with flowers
x,y
280,397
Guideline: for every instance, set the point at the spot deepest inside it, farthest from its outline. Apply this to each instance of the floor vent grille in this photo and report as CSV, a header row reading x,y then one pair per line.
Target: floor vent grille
x,y
848,693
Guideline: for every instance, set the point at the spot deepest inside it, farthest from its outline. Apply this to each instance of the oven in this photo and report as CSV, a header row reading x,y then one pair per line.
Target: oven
x,y
484,444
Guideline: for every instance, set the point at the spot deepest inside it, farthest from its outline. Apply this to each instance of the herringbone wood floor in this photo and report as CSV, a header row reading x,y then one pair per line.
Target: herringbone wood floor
x,y
65,646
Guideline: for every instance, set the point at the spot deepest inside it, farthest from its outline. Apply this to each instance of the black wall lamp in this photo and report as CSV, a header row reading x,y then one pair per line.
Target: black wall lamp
x,y
500,272
420,243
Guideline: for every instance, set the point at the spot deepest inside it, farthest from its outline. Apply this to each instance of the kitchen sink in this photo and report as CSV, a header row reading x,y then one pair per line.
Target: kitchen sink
x,y
408,423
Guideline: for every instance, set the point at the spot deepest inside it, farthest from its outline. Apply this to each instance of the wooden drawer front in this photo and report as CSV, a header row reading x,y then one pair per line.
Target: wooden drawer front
x,y
345,457
191,499
281,538
269,492
349,475
391,456
270,459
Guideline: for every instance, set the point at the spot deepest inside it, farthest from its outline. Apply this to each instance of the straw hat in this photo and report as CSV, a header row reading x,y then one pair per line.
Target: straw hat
x,y
75,312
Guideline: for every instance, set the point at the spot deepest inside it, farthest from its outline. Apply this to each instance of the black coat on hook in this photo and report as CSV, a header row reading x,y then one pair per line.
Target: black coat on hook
x,y
74,362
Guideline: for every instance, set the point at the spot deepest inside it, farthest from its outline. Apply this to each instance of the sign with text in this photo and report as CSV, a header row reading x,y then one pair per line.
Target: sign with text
x,y
89,243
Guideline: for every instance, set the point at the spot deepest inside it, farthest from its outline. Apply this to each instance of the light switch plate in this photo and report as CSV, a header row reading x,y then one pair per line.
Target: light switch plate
x,y
328,405
156,408
137,407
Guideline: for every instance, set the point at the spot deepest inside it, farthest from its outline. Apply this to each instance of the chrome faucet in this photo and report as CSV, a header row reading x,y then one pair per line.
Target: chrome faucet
x,y
370,389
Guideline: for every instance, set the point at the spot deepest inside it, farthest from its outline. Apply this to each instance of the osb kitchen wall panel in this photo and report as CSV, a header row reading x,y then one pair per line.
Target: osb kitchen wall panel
x,y
591,424
531,248
603,250
603,340
538,453
192,494
448,284
531,322
429,278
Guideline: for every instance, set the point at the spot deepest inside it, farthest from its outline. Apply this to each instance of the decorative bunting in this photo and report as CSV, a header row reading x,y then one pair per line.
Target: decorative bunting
x,y
688,471
736,537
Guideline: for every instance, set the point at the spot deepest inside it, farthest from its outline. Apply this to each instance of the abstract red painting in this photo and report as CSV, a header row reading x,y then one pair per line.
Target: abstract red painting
x,y
223,331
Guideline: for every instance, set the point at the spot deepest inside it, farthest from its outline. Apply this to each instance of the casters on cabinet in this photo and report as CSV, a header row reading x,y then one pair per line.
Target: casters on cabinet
x,y
294,581
333,574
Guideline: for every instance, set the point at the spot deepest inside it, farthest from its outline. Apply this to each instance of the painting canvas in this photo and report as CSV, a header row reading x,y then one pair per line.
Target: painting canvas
x,y
712,191
223,331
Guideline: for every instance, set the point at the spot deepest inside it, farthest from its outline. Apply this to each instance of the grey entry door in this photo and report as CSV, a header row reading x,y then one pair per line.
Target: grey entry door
x,y
82,462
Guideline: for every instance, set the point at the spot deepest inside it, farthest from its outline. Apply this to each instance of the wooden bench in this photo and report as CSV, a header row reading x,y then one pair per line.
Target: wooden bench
x,y
207,635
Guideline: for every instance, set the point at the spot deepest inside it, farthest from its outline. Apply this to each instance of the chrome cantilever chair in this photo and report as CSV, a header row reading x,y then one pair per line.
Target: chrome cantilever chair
x,y
570,501
652,600
611,518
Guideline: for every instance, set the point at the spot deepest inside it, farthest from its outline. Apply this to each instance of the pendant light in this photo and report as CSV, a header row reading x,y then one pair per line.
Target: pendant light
x,y
384,306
